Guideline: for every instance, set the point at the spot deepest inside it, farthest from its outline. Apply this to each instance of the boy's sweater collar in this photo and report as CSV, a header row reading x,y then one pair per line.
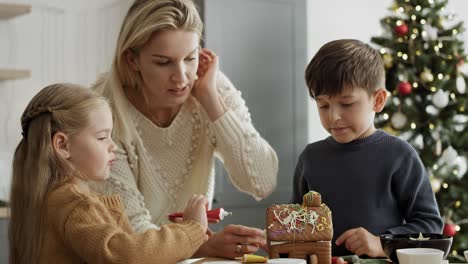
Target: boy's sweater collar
x,y
358,143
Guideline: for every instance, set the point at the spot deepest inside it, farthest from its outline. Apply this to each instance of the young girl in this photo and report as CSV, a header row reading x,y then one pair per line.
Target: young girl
x,y
55,218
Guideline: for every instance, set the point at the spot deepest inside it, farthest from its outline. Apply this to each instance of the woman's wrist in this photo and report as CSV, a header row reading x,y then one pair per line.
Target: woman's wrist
x,y
213,106
204,251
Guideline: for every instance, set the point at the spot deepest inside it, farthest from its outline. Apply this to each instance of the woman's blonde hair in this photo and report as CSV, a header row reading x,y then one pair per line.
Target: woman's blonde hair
x,y
143,20
37,169
146,17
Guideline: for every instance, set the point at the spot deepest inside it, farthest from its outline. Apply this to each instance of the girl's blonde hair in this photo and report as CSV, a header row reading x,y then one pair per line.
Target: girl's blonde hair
x,y
143,20
37,169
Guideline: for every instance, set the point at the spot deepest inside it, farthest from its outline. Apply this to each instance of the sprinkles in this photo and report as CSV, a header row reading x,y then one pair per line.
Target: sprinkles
x,y
295,218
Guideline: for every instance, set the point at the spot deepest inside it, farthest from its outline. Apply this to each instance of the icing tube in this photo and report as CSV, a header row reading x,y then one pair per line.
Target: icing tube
x,y
217,214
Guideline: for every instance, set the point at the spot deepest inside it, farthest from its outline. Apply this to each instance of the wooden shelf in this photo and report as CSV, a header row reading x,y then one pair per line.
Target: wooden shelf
x,y
8,10
12,74
3,212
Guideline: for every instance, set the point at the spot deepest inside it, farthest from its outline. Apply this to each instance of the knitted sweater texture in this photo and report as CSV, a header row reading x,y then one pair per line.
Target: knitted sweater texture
x,y
378,183
163,167
87,228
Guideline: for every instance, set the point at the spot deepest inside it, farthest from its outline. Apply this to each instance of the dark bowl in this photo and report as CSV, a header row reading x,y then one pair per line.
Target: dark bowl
x,y
392,242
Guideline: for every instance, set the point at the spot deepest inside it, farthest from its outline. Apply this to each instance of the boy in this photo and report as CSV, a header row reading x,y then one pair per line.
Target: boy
x,y
374,183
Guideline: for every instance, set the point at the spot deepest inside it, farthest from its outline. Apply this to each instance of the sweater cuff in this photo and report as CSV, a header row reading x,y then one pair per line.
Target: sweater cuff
x,y
228,127
194,232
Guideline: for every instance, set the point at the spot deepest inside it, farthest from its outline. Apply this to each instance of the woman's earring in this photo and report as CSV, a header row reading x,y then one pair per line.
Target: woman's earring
x,y
196,77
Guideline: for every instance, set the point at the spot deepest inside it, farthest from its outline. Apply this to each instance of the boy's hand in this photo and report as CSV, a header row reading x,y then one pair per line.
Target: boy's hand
x,y
196,210
338,260
361,242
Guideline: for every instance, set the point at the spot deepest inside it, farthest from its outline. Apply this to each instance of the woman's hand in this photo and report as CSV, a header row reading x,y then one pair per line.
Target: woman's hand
x,y
233,241
204,88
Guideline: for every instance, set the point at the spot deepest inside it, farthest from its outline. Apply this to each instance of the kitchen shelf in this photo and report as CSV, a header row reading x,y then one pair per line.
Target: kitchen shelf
x,y
12,74
3,212
9,10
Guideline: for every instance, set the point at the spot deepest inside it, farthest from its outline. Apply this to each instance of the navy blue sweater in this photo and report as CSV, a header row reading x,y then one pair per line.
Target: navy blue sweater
x,y
378,183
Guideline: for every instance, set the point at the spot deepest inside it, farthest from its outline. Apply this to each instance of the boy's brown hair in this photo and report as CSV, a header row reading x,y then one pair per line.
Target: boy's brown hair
x,y
344,63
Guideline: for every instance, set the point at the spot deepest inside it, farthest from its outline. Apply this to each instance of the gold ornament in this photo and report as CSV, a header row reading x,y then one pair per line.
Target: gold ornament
x,y
426,76
388,61
388,128
438,147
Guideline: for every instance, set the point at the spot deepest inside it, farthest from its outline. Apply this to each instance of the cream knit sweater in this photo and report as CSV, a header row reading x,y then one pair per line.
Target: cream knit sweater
x,y
163,167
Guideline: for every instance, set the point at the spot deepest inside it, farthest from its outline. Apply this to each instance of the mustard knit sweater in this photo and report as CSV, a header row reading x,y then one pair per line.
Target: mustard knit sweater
x,y
163,167
83,227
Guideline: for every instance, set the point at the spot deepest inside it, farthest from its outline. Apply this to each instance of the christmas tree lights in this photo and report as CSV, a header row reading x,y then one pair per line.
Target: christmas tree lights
x,y
424,57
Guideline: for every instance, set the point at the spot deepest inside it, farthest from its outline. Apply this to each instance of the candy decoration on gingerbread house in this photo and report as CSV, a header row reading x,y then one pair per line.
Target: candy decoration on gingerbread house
x,y
300,230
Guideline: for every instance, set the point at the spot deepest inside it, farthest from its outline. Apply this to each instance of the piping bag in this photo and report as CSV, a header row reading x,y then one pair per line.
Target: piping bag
x,y
217,214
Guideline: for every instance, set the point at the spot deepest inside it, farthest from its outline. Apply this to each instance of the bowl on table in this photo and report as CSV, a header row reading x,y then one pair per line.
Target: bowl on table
x,y
392,242
420,255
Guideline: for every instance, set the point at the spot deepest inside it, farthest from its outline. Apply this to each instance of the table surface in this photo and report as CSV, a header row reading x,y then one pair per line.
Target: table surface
x,y
204,260
227,261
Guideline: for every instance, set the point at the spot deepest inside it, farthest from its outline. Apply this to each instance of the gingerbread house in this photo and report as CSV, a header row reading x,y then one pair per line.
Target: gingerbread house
x,y
300,230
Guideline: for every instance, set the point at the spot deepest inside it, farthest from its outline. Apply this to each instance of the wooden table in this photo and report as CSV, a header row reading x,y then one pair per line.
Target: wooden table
x,y
208,260
228,261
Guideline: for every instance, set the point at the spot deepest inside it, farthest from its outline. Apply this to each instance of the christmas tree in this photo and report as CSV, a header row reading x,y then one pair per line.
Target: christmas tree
x,y
423,52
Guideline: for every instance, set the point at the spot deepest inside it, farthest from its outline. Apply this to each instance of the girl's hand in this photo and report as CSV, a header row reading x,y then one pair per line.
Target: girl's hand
x,y
196,210
204,88
233,241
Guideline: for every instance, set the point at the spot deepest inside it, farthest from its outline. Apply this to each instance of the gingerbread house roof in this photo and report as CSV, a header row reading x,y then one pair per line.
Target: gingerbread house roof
x,y
309,221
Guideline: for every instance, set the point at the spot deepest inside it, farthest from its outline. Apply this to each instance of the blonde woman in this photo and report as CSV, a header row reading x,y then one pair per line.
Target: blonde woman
x,y
55,218
174,112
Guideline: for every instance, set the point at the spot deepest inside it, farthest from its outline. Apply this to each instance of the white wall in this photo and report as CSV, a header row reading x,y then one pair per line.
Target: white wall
x,y
59,41
358,19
